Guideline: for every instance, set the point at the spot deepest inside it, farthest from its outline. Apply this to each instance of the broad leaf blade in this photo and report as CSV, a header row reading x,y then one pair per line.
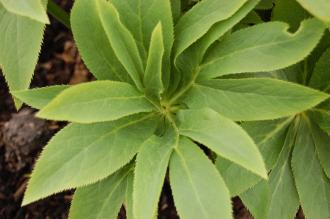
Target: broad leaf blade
x,y
121,41
96,102
129,197
263,47
102,199
151,165
318,8
18,60
315,201
84,154
39,97
153,73
34,9
197,21
254,98
90,35
198,189
322,118
224,137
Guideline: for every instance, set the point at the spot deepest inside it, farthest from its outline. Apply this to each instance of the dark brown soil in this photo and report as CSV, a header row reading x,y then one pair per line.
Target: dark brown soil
x,y
22,136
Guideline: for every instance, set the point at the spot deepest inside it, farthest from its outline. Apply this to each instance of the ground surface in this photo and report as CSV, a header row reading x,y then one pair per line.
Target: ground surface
x,y
22,136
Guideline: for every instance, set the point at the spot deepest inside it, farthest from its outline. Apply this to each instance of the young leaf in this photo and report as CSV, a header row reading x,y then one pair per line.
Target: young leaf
x,y
257,200
319,8
321,75
102,199
224,137
198,189
253,98
39,97
96,102
18,60
90,35
263,47
121,41
34,9
152,159
197,21
84,154
129,197
315,201
153,74
141,17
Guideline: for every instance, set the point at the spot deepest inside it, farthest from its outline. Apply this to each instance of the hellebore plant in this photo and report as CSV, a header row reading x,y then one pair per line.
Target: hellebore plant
x,y
165,84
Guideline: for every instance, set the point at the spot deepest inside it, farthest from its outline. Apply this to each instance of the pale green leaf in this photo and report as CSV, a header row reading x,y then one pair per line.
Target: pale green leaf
x,y
153,73
318,8
34,9
321,75
284,201
197,21
269,136
253,98
322,118
129,197
192,56
198,189
151,165
322,145
256,200
289,11
102,199
121,41
39,97
96,101
312,184
93,43
263,47
223,136
20,43
265,5
83,154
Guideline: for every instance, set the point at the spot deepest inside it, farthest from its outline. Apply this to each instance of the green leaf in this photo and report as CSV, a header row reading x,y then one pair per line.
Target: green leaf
x,y
321,75
82,154
153,74
192,56
253,98
93,43
263,47
321,142
265,5
151,165
34,9
269,136
141,17
121,41
289,11
102,199
39,97
176,10
96,101
318,8
284,201
322,118
256,200
197,21
129,197
312,184
20,42
224,137
198,189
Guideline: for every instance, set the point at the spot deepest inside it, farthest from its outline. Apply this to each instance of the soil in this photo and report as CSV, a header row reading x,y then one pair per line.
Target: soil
x,y
22,136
